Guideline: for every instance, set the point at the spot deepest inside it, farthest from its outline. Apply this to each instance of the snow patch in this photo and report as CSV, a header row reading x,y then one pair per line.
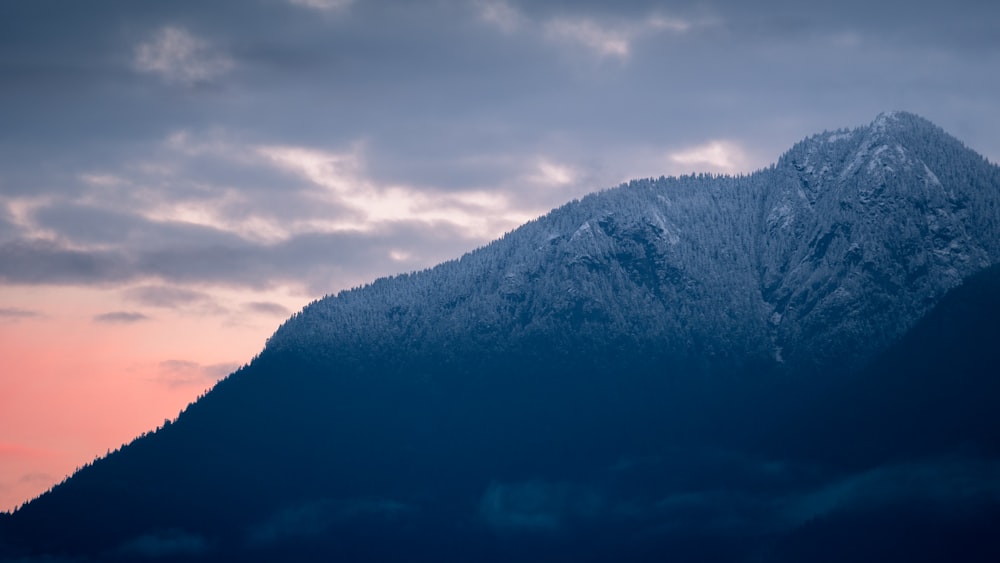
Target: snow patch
x,y
930,177
781,216
660,222
582,231
834,137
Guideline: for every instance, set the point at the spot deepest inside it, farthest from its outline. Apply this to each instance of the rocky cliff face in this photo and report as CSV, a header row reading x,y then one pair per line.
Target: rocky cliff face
x,y
864,230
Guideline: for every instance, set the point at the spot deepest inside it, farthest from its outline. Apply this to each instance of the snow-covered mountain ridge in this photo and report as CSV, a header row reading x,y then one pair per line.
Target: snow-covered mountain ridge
x,y
824,257
662,370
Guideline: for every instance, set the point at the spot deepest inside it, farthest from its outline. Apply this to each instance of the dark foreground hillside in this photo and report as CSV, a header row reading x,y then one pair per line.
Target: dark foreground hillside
x,y
920,432
562,459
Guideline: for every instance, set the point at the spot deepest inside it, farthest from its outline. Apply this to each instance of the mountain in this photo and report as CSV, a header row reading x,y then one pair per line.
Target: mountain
x,y
920,432
705,368
829,254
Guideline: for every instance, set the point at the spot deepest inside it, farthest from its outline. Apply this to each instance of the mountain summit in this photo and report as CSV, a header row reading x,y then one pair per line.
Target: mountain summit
x,y
826,256
702,368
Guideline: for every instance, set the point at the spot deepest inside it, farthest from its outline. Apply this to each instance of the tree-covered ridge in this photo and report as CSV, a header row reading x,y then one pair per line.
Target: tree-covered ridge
x,y
606,383
841,245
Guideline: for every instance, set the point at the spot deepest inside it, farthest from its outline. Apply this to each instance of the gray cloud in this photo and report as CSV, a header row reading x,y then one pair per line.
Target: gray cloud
x,y
181,373
320,261
7,228
35,261
489,69
323,5
37,477
165,296
268,308
120,317
129,135
39,261
90,224
177,56
15,313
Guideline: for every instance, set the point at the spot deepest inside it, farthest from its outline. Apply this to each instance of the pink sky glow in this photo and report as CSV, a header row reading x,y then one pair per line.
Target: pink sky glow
x,y
73,387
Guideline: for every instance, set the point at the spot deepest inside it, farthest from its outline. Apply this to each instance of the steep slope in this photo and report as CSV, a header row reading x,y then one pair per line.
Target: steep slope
x,y
921,427
868,228
644,372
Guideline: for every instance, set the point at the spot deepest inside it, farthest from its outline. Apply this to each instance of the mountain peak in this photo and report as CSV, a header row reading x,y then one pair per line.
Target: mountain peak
x,y
894,117
841,246
883,211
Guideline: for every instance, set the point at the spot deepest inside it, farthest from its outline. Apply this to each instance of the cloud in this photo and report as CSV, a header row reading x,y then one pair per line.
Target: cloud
x,y
721,511
12,450
602,35
782,504
268,308
182,373
322,5
946,481
37,477
605,41
43,261
168,297
167,222
412,129
537,506
500,14
341,174
168,543
7,226
90,225
14,313
317,261
715,156
729,493
177,56
667,23
847,40
552,174
608,39
318,517
120,317
101,180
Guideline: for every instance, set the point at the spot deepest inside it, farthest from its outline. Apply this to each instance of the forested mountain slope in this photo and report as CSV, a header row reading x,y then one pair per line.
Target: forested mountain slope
x,y
826,256
697,368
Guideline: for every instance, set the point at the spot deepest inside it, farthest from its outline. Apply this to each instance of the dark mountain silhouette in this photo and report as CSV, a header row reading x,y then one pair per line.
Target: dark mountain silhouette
x,y
926,410
781,366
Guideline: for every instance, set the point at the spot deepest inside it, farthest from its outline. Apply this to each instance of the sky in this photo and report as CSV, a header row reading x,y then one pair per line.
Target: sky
x,y
176,178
